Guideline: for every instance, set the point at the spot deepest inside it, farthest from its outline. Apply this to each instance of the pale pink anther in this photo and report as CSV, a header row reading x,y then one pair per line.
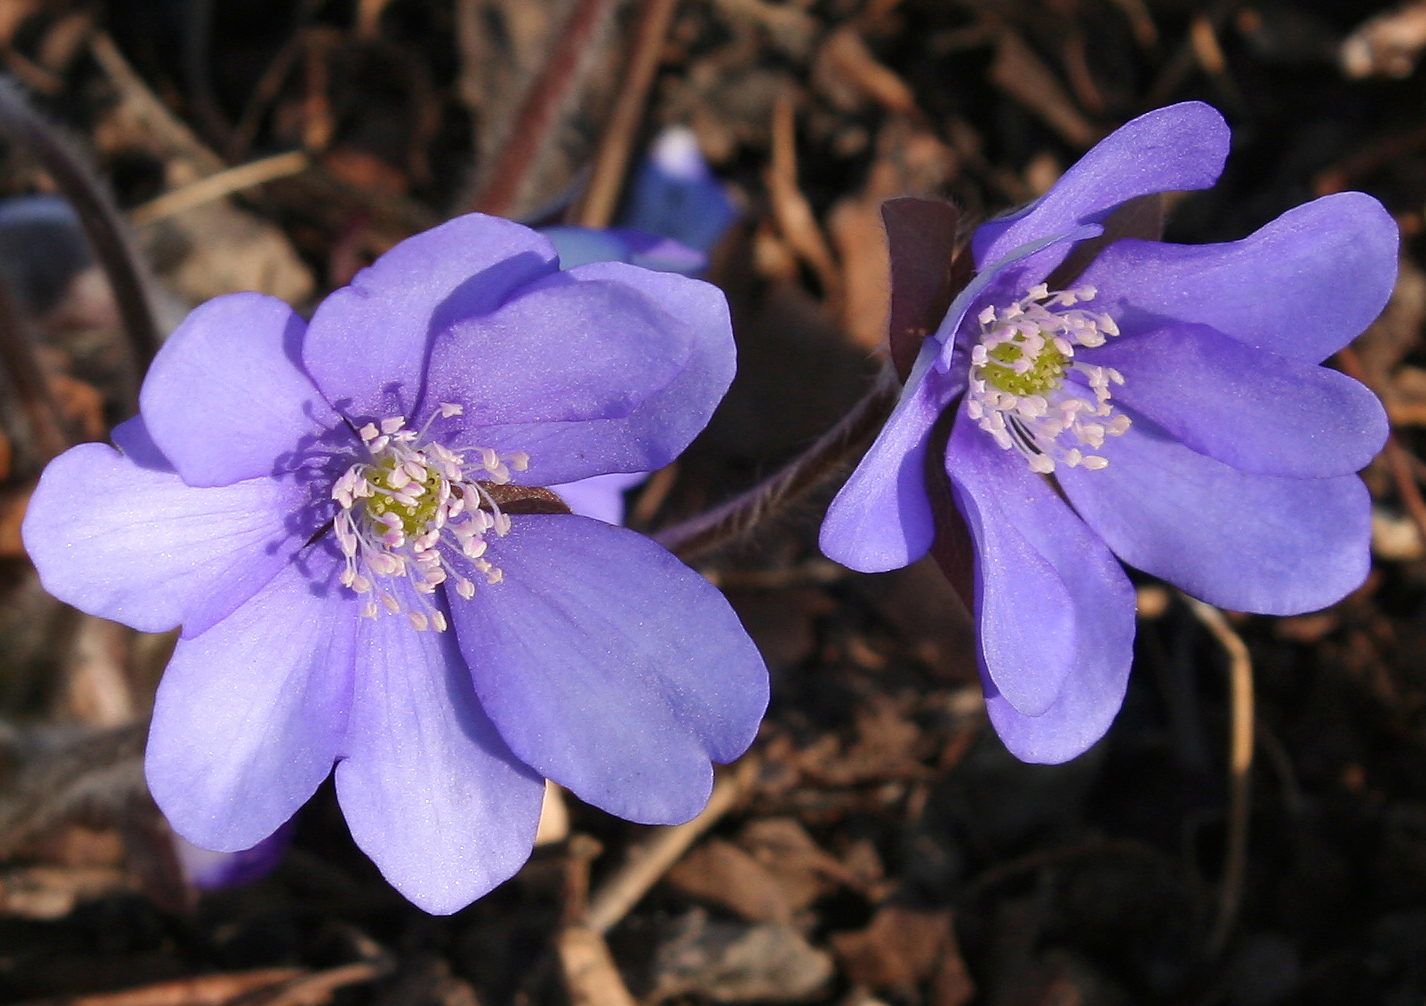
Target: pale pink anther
x,y
1045,321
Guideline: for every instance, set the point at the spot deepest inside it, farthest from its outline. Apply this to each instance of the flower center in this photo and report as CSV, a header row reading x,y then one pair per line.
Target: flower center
x,y
412,501
1019,392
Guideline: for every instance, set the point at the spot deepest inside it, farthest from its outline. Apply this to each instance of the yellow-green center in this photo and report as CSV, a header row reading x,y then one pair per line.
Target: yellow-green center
x,y
1045,374
415,520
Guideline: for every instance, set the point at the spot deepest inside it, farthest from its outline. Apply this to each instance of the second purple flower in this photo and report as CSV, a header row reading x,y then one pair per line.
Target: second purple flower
x,y
1165,408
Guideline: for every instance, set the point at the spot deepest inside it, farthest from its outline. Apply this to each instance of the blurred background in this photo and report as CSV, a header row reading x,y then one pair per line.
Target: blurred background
x,y
879,847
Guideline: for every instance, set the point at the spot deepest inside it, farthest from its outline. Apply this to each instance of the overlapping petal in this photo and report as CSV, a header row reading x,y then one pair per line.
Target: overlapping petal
x,y
430,791
136,545
611,667
599,496
603,368
226,398
881,519
250,715
1263,543
1171,149
1052,603
368,342
1302,287
1249,408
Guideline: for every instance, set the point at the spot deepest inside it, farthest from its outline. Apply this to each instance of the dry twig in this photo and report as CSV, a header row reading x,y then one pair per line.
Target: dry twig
x,y
1240,766
204,990
215,187
645,865
601,197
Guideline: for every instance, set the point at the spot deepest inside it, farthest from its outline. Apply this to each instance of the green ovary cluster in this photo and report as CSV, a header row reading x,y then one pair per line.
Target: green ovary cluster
x,y
415,520
1045,374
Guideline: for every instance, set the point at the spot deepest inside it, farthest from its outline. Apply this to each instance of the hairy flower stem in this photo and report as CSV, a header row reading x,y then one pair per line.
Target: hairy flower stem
x,y
96,212
842,443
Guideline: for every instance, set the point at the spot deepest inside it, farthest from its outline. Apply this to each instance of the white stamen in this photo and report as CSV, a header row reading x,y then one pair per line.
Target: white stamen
x,y
1017,389
411,509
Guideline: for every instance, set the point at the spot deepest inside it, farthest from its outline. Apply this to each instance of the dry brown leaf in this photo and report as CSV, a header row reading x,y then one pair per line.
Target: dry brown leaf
x,y
1019,72
728,962
802,869
722,874
901,949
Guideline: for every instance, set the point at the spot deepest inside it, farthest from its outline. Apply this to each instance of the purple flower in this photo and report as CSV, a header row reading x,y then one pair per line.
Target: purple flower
x,y
213,871
1166,410
335,514
581,245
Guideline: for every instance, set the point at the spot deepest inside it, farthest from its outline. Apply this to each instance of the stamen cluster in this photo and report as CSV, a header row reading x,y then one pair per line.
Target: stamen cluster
x,y
1018,389
413,498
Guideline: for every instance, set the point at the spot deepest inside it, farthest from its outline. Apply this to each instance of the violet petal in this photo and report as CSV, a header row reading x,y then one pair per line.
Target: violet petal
x,y
600,496
1248,408
1169,149
1278,546
881,519
249,715
643,358
610,666
226,399
429,789
1303,286
368,342
1050,597
136,545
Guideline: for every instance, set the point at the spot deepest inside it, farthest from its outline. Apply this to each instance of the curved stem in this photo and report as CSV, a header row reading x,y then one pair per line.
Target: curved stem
x,y
97,214
852,434
1240,766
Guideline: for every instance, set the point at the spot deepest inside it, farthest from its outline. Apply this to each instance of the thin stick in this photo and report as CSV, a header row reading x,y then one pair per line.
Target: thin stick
x,y
645,865
601,198
852,434
97,214
538,113
224,183
1240,765
204,990
319,986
